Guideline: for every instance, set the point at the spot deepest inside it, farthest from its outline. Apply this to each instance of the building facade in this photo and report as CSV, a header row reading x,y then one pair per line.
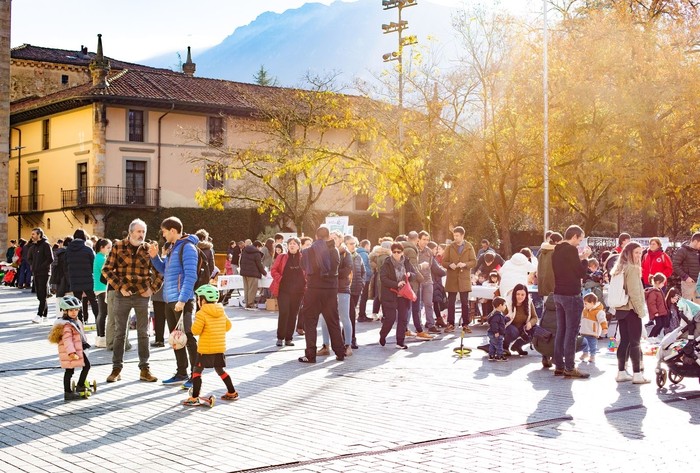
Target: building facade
x,y
89,139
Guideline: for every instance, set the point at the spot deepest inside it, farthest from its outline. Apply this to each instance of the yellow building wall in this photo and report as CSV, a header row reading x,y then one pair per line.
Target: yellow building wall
x,y
70,135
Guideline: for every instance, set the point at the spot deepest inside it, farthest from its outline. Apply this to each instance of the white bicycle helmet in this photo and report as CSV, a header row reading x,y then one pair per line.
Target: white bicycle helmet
x,y
69,302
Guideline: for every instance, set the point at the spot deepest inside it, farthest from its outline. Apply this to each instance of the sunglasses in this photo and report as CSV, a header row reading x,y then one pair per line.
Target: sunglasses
x,y
397,252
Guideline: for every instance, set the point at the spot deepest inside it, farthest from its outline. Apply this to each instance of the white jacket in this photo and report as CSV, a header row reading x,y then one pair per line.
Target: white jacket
x,y
514,272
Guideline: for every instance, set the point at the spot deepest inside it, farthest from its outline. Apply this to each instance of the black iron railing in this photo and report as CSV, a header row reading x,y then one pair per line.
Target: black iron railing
x,y
26,203
105,196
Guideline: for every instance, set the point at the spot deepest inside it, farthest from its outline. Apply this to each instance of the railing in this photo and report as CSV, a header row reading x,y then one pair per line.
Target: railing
x,y
26,203
104,196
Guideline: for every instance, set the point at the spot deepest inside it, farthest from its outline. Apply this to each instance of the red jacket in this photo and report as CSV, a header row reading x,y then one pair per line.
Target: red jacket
x,y
277,271
656,262
655,302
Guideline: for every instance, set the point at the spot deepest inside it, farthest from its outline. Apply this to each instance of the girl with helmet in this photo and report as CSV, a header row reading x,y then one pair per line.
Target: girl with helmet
x,y
211,324
68,333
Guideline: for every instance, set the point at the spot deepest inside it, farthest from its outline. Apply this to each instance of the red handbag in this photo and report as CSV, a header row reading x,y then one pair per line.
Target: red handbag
x,y
406,291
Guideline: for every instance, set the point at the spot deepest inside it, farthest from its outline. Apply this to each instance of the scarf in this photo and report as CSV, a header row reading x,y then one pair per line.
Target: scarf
x,y
399,268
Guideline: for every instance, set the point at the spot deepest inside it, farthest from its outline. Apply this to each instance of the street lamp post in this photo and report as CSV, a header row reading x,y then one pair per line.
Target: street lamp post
x,y
546,118
19,149
398,27
447,184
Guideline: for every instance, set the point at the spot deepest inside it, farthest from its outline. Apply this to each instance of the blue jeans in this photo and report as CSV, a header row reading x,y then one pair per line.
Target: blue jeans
x,y
590,344
495,344
344,313
569,309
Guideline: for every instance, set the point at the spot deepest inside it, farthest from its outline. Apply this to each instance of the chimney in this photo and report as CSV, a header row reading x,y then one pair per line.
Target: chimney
x,y
83,50
189,67
99,67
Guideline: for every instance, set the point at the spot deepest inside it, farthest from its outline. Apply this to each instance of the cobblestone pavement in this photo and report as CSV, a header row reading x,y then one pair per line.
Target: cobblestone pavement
x,y
381,410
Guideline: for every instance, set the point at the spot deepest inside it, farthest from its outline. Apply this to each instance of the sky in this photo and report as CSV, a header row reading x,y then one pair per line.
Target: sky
x,y
134,30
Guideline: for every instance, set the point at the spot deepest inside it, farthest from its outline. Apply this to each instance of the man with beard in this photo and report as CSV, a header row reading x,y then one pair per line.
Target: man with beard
x,y
129,271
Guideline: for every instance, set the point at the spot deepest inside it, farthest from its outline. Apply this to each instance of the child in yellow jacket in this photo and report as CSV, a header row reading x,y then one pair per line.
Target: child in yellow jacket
x,y
593,322
211,324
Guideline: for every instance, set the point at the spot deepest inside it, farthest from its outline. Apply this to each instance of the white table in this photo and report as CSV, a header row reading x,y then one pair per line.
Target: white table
x,y
226,283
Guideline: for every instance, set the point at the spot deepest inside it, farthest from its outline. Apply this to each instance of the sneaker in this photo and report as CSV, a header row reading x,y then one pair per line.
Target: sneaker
x,y
401,347
449,328
230,396
423,336
288,343
492,357
434,329
73,396
280,343
37,319
323,351
410,334
300,331
187,384
576,374
175,380
638,378
354,345
303,359
199,401
115,375
348,350
147,376
558,372
583,357
100,342
158,344
501,358
623,376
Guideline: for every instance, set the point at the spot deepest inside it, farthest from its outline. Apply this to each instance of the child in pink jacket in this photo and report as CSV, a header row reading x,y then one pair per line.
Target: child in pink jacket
x,y
68,333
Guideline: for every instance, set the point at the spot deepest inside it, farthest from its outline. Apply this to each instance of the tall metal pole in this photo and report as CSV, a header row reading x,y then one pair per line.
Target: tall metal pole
x,y
546,118
402,210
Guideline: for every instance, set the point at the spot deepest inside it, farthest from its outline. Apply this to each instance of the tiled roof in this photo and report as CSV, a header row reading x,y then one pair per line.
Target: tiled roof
x,y
149,88
28,52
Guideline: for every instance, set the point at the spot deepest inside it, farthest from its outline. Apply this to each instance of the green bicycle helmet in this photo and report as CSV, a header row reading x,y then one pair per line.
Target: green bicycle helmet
x,y
208,292
69,302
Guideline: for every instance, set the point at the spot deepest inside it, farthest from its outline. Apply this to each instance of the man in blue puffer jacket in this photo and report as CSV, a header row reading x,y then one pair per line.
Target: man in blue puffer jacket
x,y
179,269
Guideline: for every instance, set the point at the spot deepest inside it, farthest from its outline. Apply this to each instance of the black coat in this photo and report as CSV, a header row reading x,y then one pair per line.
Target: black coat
x,y
59,273
79,262
40,257
389,282
251,262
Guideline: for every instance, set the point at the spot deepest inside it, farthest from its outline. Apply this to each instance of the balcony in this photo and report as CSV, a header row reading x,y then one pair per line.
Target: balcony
x,y
26,204
104,196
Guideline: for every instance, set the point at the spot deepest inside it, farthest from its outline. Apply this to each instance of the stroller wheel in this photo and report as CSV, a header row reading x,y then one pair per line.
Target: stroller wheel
x,y
675,378
661,378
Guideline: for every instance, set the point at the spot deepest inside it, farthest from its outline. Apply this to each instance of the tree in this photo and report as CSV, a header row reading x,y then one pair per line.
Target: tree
x,y
262,77
301,144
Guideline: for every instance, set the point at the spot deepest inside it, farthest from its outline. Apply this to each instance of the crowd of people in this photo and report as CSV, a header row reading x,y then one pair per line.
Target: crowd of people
x,y
333,277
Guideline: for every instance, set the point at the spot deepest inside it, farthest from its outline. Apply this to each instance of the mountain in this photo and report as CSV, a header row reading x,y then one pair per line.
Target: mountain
x,y
343,37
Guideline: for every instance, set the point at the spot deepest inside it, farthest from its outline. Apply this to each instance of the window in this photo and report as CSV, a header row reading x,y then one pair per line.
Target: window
x,y
215,176
82,183
45,134
33,190
135,182
216,131
361,202
64,79
136,125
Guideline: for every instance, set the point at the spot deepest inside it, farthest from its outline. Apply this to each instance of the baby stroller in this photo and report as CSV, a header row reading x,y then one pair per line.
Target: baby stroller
x,y
679,350
9,276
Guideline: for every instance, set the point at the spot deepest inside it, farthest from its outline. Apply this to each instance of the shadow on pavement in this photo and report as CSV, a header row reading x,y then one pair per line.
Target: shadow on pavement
x,y
554,405
627,413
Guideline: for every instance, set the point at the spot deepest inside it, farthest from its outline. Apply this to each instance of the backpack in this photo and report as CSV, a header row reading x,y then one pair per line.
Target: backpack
x,y
203,269
617,297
